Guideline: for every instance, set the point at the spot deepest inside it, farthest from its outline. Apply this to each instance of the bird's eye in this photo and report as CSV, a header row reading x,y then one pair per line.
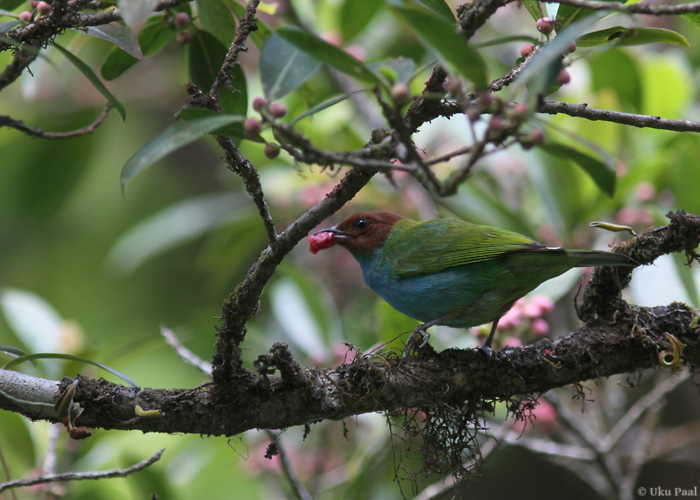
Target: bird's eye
x,y
362,224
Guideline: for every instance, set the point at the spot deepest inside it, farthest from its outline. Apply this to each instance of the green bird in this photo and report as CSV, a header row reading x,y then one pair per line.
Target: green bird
x,y
450,272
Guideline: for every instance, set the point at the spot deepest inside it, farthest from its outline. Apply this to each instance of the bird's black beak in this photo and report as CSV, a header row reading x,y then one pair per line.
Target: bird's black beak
x,y
338,234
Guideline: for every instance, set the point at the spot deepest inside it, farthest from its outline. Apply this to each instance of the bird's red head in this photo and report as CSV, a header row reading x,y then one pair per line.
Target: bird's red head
x,y
361,232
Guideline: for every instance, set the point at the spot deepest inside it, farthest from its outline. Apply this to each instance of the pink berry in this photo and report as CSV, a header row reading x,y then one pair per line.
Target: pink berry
x,y
526,49
496,123
25,16
545,25
277,109
539,327
181,20
252,127
399,93
43,8
563,77
259,103
33,3
184,37
519,109
537,136
272,150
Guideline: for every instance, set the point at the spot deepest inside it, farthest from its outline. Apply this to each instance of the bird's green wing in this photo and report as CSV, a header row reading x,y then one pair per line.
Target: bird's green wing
x,y
432,246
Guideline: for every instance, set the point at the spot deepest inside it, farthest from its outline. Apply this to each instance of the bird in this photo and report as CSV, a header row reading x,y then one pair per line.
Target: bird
x,y
448,271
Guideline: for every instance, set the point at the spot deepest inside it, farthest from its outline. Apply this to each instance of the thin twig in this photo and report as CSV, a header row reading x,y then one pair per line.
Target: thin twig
x,y
183,351
298,488
79,476
6,121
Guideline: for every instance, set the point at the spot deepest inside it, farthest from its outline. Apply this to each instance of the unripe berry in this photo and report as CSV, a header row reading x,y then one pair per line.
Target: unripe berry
x,y
259,103
25,16
563,77
572,47
519,109
43,8
399,93
252,127
545,25
272,150
526,49
184,37
277,109
496,124
181,20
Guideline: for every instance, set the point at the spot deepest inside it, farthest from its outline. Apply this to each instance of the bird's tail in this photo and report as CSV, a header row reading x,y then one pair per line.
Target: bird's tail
x,y
600,258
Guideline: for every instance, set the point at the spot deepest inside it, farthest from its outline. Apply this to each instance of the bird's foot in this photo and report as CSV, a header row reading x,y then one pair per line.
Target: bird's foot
x,y
416,341
485,350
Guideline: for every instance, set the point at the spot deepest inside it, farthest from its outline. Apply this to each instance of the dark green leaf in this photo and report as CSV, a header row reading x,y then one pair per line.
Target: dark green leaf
x,y
284,67
90,75
355,15
440,36
325,105
620,35
602,174
441,9
205,55
152,38
234,100
505,39
11,4
12,351
217,19
617,71
536,9
68,357
568,14
171,139
327,53
118,35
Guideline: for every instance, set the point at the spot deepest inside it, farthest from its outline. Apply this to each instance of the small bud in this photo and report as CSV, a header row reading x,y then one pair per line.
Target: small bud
x,y
496,124
181,20
563,77
25,16
399,93
259,103
519,109
33,3
184,37
545,25
526,49
252,127
572,47
537,136
272,150
43,8
539,327
277,109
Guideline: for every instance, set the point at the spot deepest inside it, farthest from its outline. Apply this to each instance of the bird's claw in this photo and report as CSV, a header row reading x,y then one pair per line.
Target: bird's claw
x,y
486,350
412,342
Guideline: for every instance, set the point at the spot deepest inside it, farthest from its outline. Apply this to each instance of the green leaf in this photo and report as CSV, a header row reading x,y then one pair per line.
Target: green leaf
x,y
327,53
284,67
11,4
441,9
35,322
567,14
68,357
536,9
90,75
542,70
171,139
355,15
620,35
325,105
152,38
118,35
439,35
693,18
217,19
617,71
602,174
